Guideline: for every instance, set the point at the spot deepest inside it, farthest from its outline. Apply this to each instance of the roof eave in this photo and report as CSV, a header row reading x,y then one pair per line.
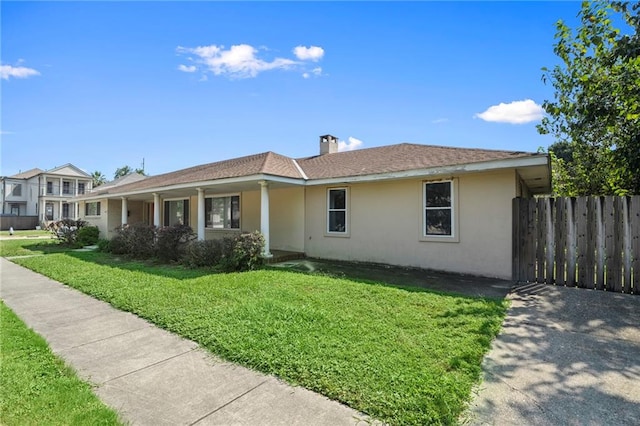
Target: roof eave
x,y
194,185
484,166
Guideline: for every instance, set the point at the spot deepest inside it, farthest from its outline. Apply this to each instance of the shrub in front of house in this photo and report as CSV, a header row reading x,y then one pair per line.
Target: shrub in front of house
x,y
202,254
229,254
66,230
104,245
243,253
171,242
136,240
88,235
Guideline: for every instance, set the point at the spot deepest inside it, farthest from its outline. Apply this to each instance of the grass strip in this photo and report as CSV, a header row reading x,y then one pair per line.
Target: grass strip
x,y
30,247
36,387
403,356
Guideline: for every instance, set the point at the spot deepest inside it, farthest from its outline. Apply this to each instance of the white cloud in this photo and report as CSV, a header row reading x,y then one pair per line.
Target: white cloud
x,y
240,61
7,71
349,146
311,53
185,68
439,120
317,71
516,112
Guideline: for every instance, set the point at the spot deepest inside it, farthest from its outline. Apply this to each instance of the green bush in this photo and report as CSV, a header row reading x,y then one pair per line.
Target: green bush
x,y
171,242
137,241
229,254
66,230
104,245
199,254
242,253
88,235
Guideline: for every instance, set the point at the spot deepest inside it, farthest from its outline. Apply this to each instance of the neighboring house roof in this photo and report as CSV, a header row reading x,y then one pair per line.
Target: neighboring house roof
x,y
397,158
122,180
75,170
28,174
404,157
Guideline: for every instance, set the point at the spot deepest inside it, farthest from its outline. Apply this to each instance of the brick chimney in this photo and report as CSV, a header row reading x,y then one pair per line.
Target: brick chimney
x,y
328,144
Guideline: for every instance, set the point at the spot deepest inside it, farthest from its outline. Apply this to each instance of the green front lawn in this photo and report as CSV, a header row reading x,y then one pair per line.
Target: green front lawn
x,y
404,356
36,387
22,247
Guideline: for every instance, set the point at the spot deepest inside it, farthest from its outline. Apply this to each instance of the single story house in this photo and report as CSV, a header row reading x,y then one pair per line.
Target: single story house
x,y
415,205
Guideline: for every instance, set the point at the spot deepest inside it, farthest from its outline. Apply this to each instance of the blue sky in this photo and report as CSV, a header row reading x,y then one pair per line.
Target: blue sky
x,y
101,85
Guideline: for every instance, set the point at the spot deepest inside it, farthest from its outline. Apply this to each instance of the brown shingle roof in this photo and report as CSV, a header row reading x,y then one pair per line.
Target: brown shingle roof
x,y
371,161
397,158
266,163
28,174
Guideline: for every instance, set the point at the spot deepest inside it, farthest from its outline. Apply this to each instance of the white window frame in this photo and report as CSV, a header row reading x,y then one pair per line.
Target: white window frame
x,y
67,190
347,229
86,208
224,196
454,237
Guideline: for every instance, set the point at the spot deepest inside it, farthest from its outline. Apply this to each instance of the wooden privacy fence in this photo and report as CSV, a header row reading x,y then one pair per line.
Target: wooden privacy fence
x,y
18,222
589,242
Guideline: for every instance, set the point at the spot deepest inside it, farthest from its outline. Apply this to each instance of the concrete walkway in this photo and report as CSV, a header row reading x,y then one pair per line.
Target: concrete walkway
x,y
566,356
153,377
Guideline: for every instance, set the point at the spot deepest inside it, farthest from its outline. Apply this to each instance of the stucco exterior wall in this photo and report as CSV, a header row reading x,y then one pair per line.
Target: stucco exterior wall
x,y
385,225
100,221
286,214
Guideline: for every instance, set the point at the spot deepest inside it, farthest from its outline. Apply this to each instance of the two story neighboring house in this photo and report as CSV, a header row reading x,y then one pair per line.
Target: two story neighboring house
x,y
45,194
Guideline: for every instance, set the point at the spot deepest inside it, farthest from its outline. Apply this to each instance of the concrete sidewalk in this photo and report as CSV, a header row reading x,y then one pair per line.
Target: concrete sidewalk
x,y
565,356
151,376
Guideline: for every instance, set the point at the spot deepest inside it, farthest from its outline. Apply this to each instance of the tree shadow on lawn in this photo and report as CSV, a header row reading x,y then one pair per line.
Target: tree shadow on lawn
x,y
174,271
411,279
564,356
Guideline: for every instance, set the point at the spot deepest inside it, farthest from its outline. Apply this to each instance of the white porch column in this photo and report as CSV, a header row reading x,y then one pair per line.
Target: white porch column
x,y
156,210
59,210
264,216
43,191
60,187
125,209
76,209
201,212
76,190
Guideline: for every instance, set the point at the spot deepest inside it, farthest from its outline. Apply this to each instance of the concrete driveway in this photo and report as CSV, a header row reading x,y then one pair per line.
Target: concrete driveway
x,y
566,356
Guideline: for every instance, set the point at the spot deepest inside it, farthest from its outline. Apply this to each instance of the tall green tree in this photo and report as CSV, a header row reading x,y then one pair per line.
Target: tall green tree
x,y
595,116
98,178
127,170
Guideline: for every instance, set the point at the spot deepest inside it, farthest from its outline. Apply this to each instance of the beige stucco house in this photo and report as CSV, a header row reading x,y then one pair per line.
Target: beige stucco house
x,y
413,205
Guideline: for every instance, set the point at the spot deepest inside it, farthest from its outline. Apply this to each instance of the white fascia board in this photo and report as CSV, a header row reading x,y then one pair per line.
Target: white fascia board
x,y
195,185
437,171
302,173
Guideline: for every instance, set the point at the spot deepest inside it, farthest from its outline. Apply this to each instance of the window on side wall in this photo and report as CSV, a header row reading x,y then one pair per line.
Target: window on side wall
x,y
92,209
176,212
80,188
222,212
16,190
337,211
439,214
